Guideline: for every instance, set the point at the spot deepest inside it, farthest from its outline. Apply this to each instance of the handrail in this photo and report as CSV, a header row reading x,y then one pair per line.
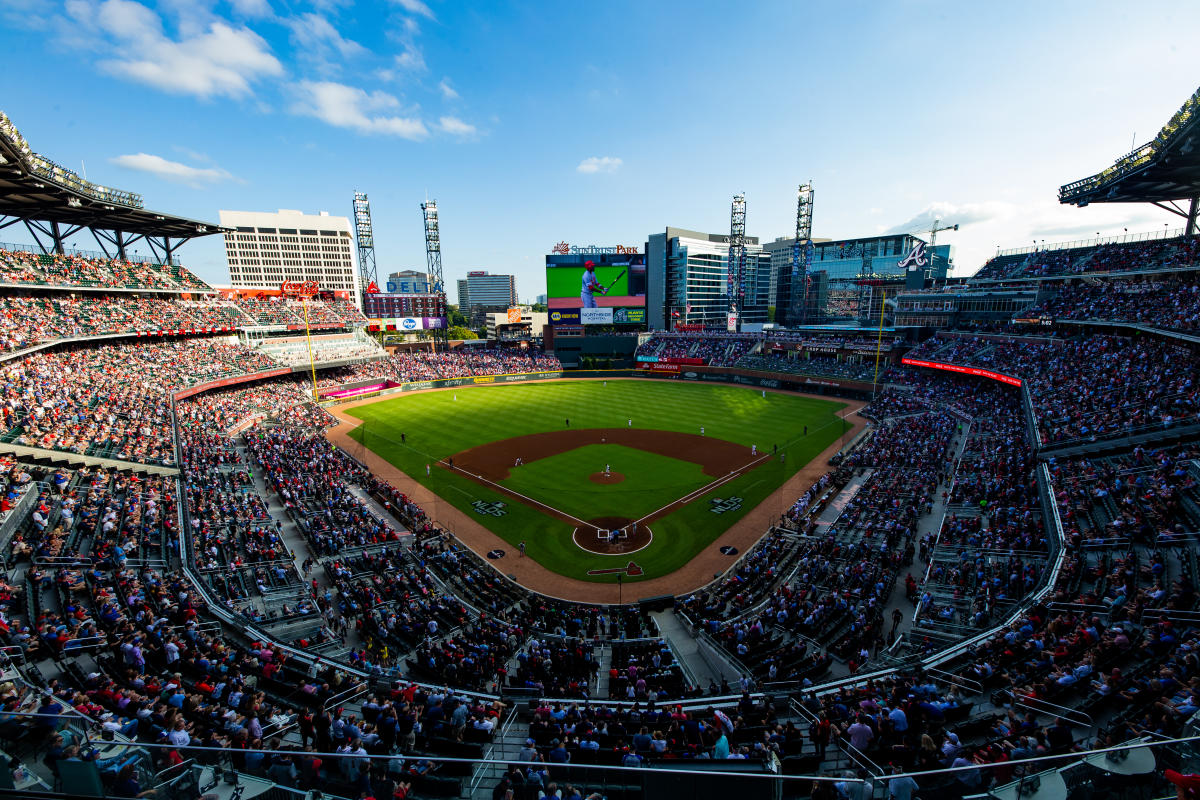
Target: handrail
x,y
1045,707
955,680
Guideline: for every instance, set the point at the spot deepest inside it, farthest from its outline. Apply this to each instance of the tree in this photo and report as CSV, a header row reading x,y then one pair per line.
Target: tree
x,y
538,307
461,332
770,313
456,317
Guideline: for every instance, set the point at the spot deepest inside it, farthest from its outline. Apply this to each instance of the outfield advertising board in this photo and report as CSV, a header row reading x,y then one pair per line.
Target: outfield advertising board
x,y
596,316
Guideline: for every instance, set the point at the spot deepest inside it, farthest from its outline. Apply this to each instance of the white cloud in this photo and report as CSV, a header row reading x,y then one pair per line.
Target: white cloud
x,y
411,59
316,38
171,170
220,60
350,107
447,90
590,166
251,8
456,126
415,7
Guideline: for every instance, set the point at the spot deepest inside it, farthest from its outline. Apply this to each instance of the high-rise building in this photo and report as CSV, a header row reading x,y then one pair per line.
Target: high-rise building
x,y
688,279
265,249
479,290
407,281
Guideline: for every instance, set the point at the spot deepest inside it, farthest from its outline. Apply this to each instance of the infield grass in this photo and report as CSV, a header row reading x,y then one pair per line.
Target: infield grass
x,y
441,423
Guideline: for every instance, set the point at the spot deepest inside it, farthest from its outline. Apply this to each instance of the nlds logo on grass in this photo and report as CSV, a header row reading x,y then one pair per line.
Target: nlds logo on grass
x,y
493,509
720,506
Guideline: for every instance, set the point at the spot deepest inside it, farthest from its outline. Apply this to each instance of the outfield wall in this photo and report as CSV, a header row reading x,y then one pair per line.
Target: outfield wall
x,y
767,380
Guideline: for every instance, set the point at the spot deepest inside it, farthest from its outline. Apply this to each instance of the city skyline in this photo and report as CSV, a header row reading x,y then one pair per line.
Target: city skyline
x,y
593,136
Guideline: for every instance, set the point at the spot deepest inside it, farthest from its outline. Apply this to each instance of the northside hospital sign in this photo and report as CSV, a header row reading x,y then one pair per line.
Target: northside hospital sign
x,y
564,249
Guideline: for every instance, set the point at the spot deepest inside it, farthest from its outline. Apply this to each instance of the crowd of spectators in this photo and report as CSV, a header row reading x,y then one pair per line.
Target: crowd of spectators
x,y
76,270
1089,387
111,400
1118,257
852,369
406,366
1170,303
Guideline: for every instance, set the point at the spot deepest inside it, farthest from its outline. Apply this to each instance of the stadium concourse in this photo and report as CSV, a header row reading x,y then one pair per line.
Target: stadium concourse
x,y
996,572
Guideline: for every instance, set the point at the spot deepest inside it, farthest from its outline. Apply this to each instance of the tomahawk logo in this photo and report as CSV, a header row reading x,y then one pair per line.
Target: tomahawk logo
x,y
720,506
916,257
562,248
494,509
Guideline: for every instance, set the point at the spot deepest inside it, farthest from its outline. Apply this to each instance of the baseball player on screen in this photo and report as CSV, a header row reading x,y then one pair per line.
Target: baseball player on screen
x,y
587,297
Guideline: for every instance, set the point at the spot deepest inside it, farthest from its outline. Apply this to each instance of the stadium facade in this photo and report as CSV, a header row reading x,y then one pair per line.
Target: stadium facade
x,y
265,249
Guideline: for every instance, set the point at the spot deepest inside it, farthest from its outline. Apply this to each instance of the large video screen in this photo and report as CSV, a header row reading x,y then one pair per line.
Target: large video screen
x,y
622,276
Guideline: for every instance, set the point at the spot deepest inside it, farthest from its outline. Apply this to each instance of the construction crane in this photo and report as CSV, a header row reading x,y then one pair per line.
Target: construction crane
x,y
433,260
736,261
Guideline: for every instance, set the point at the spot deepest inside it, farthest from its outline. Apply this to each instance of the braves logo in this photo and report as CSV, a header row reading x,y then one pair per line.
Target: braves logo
x,y
915,259
562,248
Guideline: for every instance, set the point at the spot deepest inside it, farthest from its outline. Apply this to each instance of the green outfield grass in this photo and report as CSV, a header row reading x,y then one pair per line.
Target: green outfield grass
x,y
442,423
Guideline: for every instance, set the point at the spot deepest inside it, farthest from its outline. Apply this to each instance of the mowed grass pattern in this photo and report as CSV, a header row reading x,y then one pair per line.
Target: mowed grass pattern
x,y
442,423
649,478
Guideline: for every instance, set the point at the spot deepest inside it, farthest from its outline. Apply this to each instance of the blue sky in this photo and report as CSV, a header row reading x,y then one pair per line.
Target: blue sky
x,y
599,123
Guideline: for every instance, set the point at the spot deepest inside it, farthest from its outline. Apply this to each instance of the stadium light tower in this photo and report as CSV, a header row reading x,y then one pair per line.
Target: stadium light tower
x,y
433,259
367,272
802,249
737,260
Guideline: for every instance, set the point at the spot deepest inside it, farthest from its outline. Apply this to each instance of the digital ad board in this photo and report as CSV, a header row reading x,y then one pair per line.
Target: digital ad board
x,y
619,282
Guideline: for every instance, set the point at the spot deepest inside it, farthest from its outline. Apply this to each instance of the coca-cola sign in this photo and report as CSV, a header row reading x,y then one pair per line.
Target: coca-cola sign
x,y
300,288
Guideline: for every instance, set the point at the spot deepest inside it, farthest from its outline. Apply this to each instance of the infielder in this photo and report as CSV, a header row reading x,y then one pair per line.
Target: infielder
x,y
587,296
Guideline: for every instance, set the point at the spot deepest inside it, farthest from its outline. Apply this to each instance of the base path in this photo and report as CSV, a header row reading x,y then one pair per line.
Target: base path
x,y
691,576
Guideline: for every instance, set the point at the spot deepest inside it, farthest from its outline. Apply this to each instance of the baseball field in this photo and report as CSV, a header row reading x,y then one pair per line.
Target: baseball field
x,y
600,479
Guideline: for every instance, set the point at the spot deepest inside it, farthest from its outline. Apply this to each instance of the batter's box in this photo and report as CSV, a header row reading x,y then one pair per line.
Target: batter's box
x,y
612,536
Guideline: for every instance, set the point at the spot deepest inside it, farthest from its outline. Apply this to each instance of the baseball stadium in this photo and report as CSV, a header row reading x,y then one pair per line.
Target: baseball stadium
x,y
716,517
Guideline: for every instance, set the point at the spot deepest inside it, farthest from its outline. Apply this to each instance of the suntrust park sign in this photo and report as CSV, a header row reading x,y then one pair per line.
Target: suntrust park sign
x,y
564,249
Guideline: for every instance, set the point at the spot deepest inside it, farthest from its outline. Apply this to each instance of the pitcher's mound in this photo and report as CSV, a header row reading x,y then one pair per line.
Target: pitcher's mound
x,y
606,477
598,536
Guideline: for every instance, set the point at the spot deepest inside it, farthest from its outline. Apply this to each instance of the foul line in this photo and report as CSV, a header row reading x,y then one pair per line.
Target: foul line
x,y
692,495
507,490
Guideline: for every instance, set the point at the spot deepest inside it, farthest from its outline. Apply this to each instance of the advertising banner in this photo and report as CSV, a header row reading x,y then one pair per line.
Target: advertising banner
x,y
564,316
731,322
983,373
648,359
514,316
652,366
434,323
596,316
629,315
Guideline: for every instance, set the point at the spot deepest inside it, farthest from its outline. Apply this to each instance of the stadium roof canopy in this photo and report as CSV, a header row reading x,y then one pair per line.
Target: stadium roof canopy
x,y
54,203
1163,171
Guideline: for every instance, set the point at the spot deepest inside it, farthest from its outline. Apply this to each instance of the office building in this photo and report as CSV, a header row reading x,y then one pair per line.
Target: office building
x,y
688,279
484,291
264,250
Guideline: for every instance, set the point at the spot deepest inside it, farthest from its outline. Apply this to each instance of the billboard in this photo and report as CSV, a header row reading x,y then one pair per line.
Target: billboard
x,y
596,316
564,316
514,316
983,373
621,278
625,316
